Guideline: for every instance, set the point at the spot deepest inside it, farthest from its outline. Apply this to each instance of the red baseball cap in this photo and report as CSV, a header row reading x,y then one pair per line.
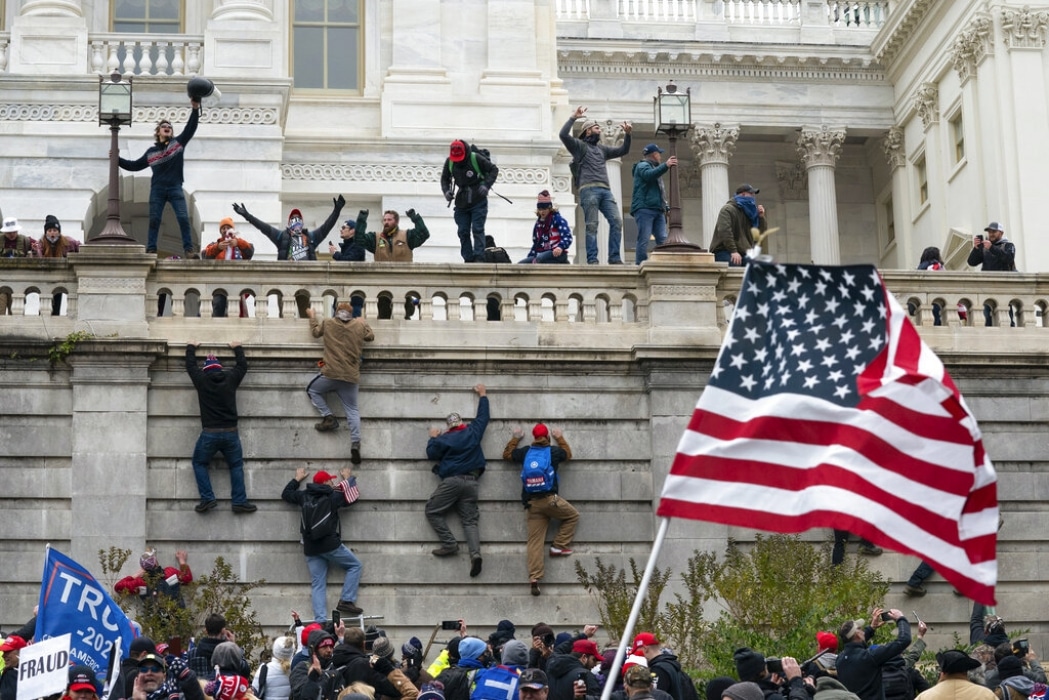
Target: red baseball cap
x,y
585,646
12,643
645,639
323,477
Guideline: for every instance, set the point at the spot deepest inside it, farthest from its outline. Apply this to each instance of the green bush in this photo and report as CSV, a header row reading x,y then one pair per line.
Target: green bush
x,y
775,595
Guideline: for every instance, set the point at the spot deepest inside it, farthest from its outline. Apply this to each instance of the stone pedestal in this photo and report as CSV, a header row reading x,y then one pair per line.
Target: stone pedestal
x,y
48,37
111,290
819,149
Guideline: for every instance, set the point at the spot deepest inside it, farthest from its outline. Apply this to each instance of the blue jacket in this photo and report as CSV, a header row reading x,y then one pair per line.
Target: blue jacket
x,y
459,451
647,192
859,668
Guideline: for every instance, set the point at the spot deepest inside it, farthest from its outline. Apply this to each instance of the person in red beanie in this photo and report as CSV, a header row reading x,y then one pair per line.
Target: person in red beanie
x,y
826,658
539,484
322,536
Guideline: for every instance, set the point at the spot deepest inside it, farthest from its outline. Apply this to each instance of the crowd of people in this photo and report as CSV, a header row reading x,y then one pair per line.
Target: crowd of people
x,y
332,661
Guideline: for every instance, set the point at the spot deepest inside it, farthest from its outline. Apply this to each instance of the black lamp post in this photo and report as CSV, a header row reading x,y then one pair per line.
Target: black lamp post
x,y
114,108
673,117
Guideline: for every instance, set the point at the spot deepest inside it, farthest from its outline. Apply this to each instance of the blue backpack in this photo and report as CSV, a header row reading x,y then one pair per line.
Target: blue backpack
x,y
496,683
537,472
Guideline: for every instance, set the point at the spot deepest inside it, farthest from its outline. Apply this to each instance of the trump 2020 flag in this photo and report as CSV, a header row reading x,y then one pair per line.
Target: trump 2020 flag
x,y
73,602
826,409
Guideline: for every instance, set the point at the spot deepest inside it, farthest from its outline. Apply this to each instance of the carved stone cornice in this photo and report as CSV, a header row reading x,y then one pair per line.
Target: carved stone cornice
x,y
893,148
971,46
1024,29
22,112
901,26
927,104
792,179
713,144
820,146
382,172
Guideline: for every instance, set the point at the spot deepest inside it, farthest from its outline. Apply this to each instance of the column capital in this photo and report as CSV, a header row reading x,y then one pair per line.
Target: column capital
x,y
1024,29
612,134
972,46
52,8
927,104
713,143
820,145
893,147
256,10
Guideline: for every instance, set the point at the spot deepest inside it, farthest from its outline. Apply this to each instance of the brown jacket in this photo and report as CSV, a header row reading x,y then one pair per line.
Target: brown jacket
x,y
343,344
732,232
393,249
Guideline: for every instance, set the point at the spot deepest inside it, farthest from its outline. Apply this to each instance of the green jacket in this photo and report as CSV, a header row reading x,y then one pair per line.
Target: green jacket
x,y
413,237
647,192
732,231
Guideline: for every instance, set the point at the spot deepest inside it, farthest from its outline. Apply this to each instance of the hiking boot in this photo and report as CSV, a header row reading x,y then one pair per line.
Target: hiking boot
x,y
914,591
475,567
355,452
348,607
327,424
205,506
245,507
152,251
560,552
535,587
871,550
191,254
445,551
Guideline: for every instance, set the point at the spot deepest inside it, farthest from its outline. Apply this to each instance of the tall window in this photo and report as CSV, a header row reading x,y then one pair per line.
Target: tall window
x,y
922,176
326,44
958,137
147,16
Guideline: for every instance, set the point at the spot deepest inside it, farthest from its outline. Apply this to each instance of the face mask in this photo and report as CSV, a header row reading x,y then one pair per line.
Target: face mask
x,y
295,225
52,238
343,315
592,138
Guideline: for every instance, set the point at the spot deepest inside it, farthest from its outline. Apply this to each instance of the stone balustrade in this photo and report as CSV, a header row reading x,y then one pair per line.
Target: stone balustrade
x,y
146,54
863,14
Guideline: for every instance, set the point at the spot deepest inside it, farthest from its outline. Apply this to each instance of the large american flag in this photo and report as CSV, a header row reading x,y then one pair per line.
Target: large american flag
x,y
826,409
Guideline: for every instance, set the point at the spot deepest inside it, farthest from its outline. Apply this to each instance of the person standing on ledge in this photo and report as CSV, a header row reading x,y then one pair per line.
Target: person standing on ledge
x,y
733,232
217,397
165,158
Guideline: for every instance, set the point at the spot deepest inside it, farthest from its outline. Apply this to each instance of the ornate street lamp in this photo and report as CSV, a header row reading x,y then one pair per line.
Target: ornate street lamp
x,y
673,117
114,108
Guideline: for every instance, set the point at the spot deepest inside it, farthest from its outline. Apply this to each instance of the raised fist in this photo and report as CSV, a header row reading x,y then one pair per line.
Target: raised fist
x,y
339,201
363,212
239,209
410,213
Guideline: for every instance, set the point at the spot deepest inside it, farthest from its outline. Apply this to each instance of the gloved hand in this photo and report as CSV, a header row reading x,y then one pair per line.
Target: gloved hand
x,y
449,196
362,212
178,668
339,201
239,209
411,214
483,191
383,665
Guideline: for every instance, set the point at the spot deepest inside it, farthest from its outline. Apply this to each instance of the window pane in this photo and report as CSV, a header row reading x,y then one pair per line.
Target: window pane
x,y
342,59
129,27
130,9
309,57
342,11
164,9
309,10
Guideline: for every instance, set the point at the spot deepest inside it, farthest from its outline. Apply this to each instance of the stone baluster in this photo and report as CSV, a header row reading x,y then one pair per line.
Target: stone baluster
x,y
819,149
712,146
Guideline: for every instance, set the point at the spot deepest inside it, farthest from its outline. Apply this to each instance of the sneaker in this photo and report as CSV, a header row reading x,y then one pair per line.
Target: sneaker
x,y
535,587
245,507
205,506
914,591
445,551
191,254
475,567
355,452
151,251
328,423
871,550
348,607
615,262
560,552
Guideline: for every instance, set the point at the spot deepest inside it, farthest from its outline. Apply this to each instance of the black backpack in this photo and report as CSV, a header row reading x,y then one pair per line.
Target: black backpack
x,y
896,682
685,687
319,519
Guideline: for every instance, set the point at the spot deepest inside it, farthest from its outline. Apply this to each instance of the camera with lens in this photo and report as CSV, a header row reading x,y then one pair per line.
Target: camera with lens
x,y
1021,648
774,665
886,616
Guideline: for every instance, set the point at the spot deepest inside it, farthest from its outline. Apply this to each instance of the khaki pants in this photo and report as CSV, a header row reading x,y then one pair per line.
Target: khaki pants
x,y
540,512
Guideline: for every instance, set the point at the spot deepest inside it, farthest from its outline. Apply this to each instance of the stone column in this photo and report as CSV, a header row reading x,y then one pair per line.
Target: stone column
x,y
819,148
712,147
244,39
416,42
892,145
49,37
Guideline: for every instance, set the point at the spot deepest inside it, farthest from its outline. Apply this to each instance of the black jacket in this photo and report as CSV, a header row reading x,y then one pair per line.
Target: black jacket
x,y
356,667
217,389
859,668
292,494
563,670
469,180
282,238
1000,257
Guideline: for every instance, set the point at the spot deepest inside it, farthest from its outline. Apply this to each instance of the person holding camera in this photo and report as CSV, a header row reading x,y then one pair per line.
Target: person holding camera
x,y
229,246
859,667
777,678
995,253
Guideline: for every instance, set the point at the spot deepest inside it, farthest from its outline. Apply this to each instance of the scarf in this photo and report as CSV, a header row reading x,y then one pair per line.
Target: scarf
x,y
749,207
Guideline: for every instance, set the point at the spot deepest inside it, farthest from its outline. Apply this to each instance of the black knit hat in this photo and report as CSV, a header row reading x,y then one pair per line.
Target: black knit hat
x,y
750,665
52,222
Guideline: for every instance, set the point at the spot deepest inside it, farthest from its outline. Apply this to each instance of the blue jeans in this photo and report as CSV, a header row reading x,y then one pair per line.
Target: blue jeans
x,y
923,572
158,197
342,557
208,444
601,199
726,257
650,222
467,219
547,256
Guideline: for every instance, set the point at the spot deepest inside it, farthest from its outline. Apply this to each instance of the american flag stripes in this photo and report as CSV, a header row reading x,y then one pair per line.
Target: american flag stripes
x,y
826,409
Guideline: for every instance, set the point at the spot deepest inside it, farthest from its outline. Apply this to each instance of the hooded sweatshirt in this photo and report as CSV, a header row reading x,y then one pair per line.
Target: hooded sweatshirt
x,y
217,389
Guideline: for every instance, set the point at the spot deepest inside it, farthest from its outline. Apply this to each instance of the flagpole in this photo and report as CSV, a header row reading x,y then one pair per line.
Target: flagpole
x,y
635,612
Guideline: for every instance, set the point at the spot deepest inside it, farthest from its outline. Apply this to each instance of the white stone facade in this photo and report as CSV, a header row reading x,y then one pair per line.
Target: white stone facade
x,y
951,90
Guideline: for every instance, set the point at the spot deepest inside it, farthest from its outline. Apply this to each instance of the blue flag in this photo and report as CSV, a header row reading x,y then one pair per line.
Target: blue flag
x,y
73,602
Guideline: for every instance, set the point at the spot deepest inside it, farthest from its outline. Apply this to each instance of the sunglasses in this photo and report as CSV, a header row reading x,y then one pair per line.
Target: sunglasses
x,y
151,669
